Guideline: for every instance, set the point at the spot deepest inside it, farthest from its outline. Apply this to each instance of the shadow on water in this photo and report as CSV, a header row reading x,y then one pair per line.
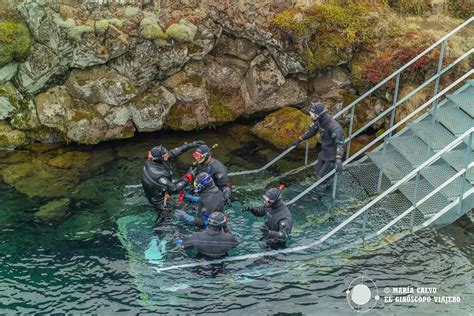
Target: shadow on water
x,y
98,260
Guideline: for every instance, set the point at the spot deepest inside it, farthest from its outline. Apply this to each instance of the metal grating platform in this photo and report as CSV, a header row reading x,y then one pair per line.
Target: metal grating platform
x,y
425,130
434,204
454,119
388,209
394,165
455,159
437,175
412,148
367,174
465,101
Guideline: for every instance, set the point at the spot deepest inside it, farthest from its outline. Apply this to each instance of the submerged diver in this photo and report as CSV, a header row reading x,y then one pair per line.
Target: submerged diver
x,y
278,221
211,199
214,242
206,163
157,178
332,140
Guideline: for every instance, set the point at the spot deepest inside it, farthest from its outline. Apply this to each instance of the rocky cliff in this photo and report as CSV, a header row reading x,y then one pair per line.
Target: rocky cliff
x,y
91,71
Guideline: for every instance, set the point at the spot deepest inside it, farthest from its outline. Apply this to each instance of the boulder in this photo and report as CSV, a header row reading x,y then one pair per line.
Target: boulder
x,y
283,127
8,71
242,48
184,31
70,160
9,100
40,66
333,78
54,211
149,110
100,85
262,80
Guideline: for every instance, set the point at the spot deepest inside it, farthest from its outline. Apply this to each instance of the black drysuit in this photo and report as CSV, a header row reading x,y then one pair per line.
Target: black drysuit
x,y
331,140
212,243
278,219
219,174
211,200
157,179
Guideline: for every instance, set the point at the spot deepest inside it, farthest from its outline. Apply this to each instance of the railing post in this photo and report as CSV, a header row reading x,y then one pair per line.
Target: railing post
x,y
306,153
395,99
464,178
348,149
364,226
440,67
415,197
384,150
334,185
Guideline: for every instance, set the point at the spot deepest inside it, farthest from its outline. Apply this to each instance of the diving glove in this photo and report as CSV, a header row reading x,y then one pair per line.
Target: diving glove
x,y
183,215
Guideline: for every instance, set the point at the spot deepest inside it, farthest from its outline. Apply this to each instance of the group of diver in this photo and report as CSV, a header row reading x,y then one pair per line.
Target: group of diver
x,y
207,185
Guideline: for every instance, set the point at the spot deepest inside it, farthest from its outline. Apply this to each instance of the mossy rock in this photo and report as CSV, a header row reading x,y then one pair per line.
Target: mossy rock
x,y
462,9
10,138
219,103
70,160
37,179
53,211
283,127
15,40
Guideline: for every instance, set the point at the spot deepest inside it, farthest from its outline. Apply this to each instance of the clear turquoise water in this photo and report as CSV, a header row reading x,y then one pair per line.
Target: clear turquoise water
x,y
51,269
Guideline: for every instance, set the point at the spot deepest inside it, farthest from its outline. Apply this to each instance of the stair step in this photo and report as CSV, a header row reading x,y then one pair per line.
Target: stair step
x,y
394,165
465,101
454,119
436,175
367,174
425,130
455,159
412,148
431,206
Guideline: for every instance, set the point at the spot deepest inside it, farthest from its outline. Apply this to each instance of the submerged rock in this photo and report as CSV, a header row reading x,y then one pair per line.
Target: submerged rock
x,y
81,226
283,127
70,160
54,211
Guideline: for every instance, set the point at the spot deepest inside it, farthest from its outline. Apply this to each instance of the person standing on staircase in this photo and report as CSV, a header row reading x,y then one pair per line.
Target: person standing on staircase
x,y
278,220
157,181
332,140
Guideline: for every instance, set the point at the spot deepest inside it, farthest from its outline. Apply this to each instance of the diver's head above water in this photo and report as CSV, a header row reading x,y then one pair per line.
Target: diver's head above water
x,y
271,196
158,154
216,221
202,182
203,154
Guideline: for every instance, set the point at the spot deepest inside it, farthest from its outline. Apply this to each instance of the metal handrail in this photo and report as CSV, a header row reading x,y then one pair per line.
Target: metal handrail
x,y
396,103
382,136
409,176
394,187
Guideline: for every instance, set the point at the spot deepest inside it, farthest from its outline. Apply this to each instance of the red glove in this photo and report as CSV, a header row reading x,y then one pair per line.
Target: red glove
x,y
187,177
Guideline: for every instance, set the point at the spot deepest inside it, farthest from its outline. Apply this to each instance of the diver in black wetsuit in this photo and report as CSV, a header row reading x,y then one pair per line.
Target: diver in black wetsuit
x,y
206,163
214,242
278,220
157,178
332,140
211,199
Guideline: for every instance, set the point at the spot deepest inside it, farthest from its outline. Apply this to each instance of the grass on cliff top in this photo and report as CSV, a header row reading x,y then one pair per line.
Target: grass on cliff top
x,y
15,38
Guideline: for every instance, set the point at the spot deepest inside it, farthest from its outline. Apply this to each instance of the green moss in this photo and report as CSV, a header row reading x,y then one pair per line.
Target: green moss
x,y
101,25
131,11
70,160
68,24
328,33
415,7
116,22
184,31
128,87
462,9
53,211
151,100
177,114
15,41
196,81
283,127
77,31
152,31
218,103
